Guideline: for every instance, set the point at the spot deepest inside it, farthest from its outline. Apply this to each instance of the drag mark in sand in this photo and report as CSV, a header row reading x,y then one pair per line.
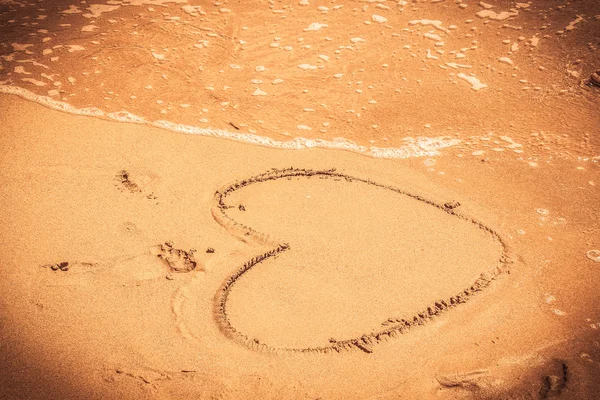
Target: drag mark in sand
x,y
390,328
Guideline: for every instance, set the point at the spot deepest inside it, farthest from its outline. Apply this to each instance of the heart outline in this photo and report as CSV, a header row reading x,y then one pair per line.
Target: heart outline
x,y
365,342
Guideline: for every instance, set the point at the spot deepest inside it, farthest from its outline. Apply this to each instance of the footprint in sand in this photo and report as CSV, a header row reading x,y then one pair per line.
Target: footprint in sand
x,y
124,178
176,259
511,379
152,265
362,262
65,266
138,185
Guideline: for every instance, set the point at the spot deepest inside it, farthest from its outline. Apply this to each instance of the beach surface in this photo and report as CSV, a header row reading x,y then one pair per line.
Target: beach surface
x,y
371,241
443,244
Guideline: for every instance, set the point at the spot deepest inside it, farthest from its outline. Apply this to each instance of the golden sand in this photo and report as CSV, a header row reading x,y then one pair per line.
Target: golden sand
x,y
120,322
303,202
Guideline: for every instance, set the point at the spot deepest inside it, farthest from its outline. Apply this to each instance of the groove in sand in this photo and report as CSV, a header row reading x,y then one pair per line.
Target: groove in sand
x,y
365,342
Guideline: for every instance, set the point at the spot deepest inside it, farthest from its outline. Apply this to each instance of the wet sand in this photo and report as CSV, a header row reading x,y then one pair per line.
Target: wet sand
x,y
317,71
143,262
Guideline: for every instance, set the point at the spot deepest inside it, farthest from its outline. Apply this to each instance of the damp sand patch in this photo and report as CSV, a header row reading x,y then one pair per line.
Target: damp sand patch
x,y
351,262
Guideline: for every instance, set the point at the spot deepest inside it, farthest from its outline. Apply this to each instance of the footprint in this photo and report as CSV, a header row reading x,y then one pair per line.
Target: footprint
x,y
140,184
144,376
471,379
177,260
554,383
148,266
130,228
64,274
76,267
63,266
544,379
138,270
125,179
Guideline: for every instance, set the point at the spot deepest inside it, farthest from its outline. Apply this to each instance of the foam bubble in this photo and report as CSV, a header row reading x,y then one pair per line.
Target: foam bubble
x,y
593,255
412,147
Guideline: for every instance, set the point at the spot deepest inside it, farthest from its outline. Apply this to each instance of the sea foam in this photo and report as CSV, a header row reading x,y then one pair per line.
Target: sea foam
x,y
412,147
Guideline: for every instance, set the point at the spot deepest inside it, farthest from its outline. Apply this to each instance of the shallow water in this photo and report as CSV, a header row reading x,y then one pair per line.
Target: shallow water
x,y
330,75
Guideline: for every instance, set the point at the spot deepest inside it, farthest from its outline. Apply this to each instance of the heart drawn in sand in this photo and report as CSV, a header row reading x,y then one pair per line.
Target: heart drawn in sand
x,y
389,261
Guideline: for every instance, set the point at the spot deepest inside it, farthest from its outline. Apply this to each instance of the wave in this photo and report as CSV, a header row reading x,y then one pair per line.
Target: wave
x,y
412,147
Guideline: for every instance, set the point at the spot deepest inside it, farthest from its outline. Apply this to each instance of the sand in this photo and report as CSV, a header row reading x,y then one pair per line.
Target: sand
x,y
121,322
449,251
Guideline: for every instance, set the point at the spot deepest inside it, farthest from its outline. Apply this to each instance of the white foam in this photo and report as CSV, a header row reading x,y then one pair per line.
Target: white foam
x,y
572,24
34,81
496,16
193,10
379,18
412,147
437,24
475,82
432,36
315,26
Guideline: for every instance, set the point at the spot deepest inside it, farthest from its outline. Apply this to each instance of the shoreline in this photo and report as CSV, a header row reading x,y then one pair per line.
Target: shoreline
x,y
415,147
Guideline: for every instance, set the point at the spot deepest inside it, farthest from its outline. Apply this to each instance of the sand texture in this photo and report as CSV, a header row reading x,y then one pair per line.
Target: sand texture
x,y
338,294
299,200
282,281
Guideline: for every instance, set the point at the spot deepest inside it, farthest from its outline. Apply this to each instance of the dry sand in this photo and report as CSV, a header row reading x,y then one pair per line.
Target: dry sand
x,y
142,263
120,323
